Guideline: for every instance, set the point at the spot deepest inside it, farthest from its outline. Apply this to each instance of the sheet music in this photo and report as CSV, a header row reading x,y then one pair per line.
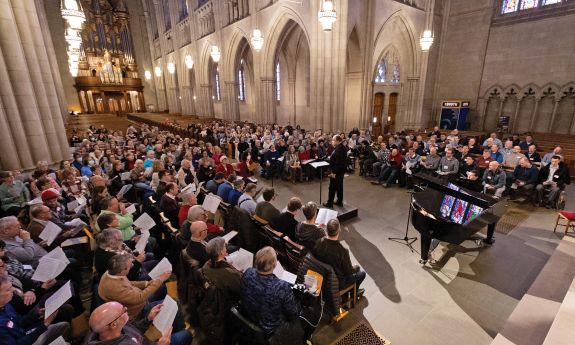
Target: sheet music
x,y
165,318
227,237
162,267
81,200
324,215
211,203
74,241
50,232
125,189
284,275
141,244
57,254
131,209
316,165
191,188
37,201
241,260
75,222
48,269
57,299
281,159
59,341
72,205
125,176
260,198
253,179
77,230
144,222
307,161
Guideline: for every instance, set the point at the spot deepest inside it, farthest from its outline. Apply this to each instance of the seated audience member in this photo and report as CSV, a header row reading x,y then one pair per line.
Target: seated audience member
x,y
366,158
265,209
271,163
225,167
246,201
110,324
286,222
169,204
448,165
494,179
41,215
196,248
553,178
71,185
42,176
13,194
495,154
473,148
197,213
50,198
307,232
431,162
557,151
98,194
411,165
532,154
188,201
507,148
526,143
18,242
212,185
165,177
390,172
483,161
225,188
495,141
206,171
28,329
381,159
66,166
466,166
125,220
524,176
269,301
185,174
293,164
97,179
330,251
115,286
237,192
512,159
472,181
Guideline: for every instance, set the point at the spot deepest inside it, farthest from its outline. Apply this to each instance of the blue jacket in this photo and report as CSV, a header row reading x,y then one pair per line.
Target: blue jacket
x,y
16,329
234,196
497,156
224,191
529,175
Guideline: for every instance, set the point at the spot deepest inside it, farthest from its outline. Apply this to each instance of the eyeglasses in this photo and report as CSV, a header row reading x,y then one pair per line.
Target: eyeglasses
x,y
124,310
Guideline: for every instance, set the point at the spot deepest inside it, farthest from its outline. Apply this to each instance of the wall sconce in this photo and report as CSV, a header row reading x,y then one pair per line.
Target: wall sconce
x,y
215,53
148,75
326,15
158,71
257,40
189,62
426,40
171,68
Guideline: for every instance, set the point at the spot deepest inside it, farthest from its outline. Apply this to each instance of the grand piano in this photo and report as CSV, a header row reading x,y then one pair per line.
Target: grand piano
x,y
451,213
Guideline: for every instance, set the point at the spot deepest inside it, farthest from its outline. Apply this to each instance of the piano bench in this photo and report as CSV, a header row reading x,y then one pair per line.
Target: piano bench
x,y
569,217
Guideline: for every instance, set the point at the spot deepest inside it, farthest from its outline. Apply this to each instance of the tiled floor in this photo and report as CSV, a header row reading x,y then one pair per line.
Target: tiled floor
x,y
466,301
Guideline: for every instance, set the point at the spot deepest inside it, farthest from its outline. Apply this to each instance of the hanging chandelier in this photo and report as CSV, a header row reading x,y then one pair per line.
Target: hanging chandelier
x,y
189,62
171,68
426,40
257,40
327,16
215,53
72,13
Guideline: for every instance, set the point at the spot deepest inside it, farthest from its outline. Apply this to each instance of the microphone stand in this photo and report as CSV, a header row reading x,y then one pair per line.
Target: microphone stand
x,y
406,240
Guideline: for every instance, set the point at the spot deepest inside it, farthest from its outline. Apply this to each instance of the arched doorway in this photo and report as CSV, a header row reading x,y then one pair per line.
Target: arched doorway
x,y
387,81
378,102
392,113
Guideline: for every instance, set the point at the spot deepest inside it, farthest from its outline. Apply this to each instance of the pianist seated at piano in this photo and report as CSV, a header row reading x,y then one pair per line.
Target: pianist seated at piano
x,y
453,213
494,180
471,181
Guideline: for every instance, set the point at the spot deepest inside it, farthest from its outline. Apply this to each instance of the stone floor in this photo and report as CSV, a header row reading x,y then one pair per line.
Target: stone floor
x,y
465,300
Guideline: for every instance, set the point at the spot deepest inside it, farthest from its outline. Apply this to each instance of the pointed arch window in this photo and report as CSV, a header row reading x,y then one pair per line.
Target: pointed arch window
x,y
278,82
388,70
380,74
241,82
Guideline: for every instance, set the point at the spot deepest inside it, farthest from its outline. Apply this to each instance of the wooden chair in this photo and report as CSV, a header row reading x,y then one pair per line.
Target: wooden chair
x,y
294,253
569,217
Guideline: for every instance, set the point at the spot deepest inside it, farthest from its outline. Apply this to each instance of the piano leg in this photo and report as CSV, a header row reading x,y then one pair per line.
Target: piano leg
x,y
425,244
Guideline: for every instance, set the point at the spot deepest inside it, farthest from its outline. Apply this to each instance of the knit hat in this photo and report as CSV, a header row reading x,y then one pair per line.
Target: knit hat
x,y
50,194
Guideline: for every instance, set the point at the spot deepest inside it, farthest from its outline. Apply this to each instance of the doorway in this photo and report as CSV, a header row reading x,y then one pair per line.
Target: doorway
x,y
391,113
378,101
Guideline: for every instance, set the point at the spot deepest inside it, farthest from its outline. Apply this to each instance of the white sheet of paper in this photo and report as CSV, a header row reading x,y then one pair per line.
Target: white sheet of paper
x,y
144,222
59,341
324,215
253,179
57,254
141,244
79,209
165,318
211,203
131,209
260,199
241,260
74,241
125,176
316,165
284,275
27,267
58,299
191,188
227,237
125,189
72,205
307,161
75,222
81,200
281,159
48,269
162,267
37,201
50,232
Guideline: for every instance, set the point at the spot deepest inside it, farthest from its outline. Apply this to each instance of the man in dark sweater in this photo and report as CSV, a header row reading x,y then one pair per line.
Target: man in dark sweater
x,y
265,209
196,248
524,176
337,164
286,222
329,251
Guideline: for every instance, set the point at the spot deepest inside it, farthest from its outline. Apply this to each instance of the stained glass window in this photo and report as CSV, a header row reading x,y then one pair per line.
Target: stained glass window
x,y
380,73
549,2
395,77
509,6
526,4
241,82
278,82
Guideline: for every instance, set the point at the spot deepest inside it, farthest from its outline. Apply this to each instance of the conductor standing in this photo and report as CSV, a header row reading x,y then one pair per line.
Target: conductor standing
x,y
337,164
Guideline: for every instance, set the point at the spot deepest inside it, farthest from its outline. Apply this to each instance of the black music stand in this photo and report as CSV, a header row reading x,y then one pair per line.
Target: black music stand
x,y
406,240
319,165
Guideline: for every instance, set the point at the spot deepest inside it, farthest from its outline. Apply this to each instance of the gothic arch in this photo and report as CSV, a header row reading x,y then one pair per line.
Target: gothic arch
x,y
236,42
404,40
353,80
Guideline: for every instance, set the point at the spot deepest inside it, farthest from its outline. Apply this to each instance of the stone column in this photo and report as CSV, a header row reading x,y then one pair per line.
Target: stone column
x,y
515,115
207,103
267,111
230,101
293,115
533,114
550,126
